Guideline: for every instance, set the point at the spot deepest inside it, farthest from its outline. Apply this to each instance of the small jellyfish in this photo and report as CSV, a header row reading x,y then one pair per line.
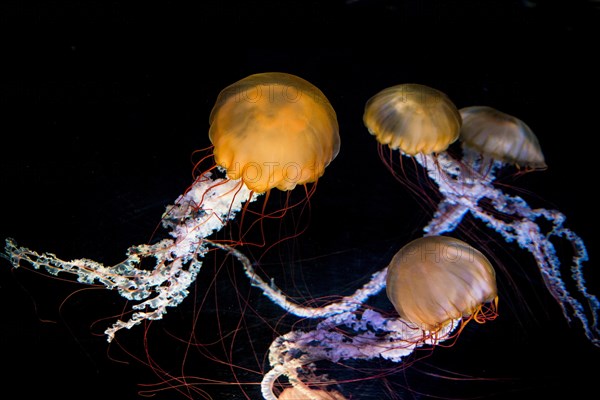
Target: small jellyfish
x,y
499,136
273,130
414,118
434,280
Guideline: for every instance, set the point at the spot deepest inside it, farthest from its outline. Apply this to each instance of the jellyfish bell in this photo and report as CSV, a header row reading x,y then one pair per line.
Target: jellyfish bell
x,y
499,136
293,393
273,130
419,121
435,280
414,118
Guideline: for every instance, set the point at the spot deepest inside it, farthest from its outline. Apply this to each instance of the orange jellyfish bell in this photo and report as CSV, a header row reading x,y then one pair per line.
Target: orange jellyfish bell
x,y
273,130
500,136
436,279
292,393
413,118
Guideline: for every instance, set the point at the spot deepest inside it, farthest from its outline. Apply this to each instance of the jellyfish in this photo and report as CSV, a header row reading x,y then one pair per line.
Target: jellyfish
x,y
434,280
494,135
436,284
414,118
490,140
347,329
269,130
273,130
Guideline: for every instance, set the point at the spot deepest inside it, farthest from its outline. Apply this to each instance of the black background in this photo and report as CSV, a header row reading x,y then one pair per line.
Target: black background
x,y
103,104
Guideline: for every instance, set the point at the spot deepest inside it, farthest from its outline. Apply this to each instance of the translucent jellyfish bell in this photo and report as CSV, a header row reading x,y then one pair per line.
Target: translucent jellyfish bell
x,y
500,136
293,393
436,279
413,118
273,130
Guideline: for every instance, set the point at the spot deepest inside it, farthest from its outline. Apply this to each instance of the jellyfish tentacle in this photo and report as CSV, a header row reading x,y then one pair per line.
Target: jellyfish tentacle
x,y
176,261
375,336
462,188
346,304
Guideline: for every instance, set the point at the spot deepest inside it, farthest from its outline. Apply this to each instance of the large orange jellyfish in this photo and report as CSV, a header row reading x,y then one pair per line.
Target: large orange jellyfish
x,y
269,131
273,130
279,126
